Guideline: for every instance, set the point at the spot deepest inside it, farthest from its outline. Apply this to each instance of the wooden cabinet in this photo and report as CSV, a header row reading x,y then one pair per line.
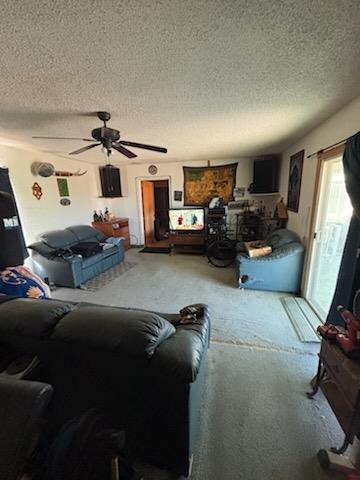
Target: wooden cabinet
x,y
193,242
339,378
119,227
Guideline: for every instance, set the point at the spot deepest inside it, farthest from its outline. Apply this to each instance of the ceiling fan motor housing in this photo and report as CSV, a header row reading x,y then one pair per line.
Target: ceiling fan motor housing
x,y
106,135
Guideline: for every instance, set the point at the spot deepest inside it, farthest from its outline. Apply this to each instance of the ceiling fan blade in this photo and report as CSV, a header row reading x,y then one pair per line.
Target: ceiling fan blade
x,y
123,150
83,149
142,145
66,138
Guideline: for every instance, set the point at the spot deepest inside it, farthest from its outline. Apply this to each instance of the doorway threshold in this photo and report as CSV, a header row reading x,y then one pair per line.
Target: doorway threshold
x,y
303,318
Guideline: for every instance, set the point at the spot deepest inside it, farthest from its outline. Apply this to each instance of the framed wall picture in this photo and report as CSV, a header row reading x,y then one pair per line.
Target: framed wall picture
x,y
63,187
178,195
295,174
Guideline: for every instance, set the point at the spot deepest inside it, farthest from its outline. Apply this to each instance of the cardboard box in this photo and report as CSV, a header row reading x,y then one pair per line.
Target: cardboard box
x,y
254,251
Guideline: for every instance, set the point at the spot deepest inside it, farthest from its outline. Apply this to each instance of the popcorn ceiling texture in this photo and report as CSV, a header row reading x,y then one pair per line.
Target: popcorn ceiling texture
x,y
207,78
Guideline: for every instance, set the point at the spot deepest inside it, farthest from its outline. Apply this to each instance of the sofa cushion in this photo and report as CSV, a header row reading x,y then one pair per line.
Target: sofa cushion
x,y
59,238
43,249
31,318
134,332
279,238
86,233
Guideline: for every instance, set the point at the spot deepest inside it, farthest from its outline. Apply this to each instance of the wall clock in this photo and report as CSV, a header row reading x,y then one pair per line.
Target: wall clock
x,y
152,169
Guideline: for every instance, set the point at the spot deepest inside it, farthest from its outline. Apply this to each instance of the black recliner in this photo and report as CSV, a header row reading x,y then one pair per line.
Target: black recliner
x,y
22,404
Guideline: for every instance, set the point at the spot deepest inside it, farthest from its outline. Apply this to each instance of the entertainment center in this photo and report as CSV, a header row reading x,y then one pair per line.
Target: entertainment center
x,y
187,229
192,242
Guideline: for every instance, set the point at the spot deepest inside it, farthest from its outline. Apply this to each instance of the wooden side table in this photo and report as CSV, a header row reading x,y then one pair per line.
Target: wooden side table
x,y
338,376
118,227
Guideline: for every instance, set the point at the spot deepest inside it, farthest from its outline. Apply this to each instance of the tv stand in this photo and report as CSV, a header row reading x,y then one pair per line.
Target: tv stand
x,y
188,241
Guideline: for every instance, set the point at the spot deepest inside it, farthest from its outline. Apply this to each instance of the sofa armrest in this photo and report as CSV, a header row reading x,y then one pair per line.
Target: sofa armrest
x,y
181,355
65,272
22,406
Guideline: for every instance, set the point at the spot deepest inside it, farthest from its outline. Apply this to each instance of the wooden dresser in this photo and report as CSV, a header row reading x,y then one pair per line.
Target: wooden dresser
x,y
118,227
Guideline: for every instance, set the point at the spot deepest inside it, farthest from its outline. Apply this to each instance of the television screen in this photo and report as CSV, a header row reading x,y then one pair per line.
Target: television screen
x,y
186,219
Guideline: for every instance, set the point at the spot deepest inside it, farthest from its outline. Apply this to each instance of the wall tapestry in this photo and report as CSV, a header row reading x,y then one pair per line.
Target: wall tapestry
x,y
201,184
295,174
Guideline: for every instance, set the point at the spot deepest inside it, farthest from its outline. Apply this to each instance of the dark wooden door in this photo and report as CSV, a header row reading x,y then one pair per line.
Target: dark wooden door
x,y
148,199
161,208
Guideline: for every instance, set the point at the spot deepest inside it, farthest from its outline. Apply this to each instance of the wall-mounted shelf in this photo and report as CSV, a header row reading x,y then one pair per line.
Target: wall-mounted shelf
x,y
264,194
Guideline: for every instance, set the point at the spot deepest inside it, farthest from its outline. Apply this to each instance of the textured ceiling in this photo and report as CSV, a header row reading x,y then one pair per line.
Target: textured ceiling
x,y
206,78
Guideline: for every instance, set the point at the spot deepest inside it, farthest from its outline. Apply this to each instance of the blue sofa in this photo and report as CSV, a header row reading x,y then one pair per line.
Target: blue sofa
x,y
280,271
51,256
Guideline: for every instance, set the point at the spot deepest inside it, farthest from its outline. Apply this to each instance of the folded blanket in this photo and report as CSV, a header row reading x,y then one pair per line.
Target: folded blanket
x,y
114,240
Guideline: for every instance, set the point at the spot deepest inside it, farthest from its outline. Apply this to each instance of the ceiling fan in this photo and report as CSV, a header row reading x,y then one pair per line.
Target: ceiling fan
x,y
109,138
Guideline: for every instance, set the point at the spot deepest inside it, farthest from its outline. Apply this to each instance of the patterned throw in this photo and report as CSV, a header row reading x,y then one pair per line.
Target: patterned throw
x,y
22,282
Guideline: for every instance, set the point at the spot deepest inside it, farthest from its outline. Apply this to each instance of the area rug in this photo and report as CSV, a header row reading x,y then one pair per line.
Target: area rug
x,y
156,250
302,317
108,276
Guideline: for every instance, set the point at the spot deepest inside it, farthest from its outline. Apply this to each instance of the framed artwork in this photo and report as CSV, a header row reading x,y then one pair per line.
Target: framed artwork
x,y
295,174
178,195
63,187
201,184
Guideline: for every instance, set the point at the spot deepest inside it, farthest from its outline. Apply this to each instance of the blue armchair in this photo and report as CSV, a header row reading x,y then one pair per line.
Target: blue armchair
x,y
280,271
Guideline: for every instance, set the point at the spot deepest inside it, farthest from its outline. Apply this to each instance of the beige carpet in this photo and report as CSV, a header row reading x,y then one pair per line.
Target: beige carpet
x,y
256,421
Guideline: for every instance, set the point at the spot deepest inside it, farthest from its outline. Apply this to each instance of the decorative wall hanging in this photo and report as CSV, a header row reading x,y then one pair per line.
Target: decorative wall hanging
x,y
63,187
295,174
65,202
37,191
201,184
177,195
153,169
44,169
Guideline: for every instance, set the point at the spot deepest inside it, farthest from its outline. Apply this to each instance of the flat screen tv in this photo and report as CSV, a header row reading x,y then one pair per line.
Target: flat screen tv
x,y
187,219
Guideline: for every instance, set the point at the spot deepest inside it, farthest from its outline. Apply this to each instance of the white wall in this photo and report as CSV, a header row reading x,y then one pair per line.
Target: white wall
x,y
343,124
130,206
38,216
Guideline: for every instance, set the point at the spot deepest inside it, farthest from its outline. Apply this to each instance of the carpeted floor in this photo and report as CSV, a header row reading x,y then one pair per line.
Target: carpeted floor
x,y
256,421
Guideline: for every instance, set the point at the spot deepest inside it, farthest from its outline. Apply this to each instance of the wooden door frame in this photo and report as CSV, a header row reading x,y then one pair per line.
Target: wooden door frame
x,y
138,181
321,159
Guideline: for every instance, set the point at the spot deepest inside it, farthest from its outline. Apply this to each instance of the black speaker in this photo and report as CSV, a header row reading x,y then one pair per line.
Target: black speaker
x,y
266,175
110,181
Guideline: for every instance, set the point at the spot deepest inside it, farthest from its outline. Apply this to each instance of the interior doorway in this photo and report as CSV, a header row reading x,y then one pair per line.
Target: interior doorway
x,y
332,221
155,202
